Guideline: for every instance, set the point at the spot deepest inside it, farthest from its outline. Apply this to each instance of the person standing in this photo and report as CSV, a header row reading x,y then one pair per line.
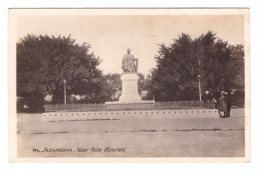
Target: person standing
x,y
207,97
222,105
229,103
215,98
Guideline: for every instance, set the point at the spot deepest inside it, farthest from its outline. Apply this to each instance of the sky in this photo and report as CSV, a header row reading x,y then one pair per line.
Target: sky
x,y
110,36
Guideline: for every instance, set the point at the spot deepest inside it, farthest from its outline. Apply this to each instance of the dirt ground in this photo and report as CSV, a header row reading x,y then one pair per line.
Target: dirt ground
x,y
189,137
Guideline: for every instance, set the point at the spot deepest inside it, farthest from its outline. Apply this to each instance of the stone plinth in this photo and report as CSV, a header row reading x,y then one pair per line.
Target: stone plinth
x,y
130,88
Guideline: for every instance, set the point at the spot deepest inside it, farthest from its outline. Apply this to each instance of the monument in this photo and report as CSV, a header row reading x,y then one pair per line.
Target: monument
x,y
129,106
129,80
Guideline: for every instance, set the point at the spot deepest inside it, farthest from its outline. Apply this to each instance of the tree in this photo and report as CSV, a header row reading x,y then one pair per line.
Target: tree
x,y
111,86
147,86
222,65
141,82
44,62
175,73
219,64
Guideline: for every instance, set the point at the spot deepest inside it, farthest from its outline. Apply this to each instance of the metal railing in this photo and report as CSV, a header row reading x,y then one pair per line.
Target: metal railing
x,y
129,106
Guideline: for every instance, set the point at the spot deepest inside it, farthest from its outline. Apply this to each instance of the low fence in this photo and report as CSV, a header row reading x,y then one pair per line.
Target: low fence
x,y
129,106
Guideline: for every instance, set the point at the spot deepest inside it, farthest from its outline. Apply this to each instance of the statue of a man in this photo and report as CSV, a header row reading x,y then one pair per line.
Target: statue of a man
x,y
129,62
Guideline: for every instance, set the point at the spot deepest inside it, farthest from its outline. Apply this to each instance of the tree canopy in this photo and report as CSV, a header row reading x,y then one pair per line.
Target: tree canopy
x,y
44,62
220,65
111,85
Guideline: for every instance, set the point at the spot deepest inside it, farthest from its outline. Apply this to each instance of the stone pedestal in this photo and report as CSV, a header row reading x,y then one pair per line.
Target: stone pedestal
x,y
130,88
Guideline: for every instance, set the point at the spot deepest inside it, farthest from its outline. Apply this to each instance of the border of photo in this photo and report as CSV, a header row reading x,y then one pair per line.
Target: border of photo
x,y
12,124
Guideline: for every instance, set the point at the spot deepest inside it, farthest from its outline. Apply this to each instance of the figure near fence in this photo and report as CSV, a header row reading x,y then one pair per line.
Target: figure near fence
x,y
129,62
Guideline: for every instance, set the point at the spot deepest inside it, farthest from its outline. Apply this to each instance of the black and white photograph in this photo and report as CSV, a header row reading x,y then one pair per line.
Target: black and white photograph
x,y
101,84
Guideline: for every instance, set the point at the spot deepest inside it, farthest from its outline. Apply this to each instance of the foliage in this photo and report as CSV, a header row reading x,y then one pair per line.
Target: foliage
x,y
43,63
111,86
220,65
141,82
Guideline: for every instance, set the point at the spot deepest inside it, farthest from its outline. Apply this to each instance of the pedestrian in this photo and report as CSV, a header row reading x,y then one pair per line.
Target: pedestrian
x,y
222,105
229,103
207,97
216,96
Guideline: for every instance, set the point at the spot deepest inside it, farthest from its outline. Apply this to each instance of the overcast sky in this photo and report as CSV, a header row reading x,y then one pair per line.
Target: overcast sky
x,y
110,36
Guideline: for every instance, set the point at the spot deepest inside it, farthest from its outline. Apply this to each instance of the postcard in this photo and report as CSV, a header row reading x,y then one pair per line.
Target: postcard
x,y
129,85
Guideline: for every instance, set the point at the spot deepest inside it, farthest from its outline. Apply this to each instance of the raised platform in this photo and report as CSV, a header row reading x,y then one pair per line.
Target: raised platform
x,y
130,114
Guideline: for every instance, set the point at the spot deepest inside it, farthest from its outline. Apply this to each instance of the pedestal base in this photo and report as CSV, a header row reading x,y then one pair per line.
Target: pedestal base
x,y
130,90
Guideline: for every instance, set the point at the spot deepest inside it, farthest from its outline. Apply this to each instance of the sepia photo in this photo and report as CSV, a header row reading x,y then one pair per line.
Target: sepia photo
x,y
129,85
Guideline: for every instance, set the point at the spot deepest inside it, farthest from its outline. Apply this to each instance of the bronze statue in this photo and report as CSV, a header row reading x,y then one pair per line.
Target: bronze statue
x,y
129,63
